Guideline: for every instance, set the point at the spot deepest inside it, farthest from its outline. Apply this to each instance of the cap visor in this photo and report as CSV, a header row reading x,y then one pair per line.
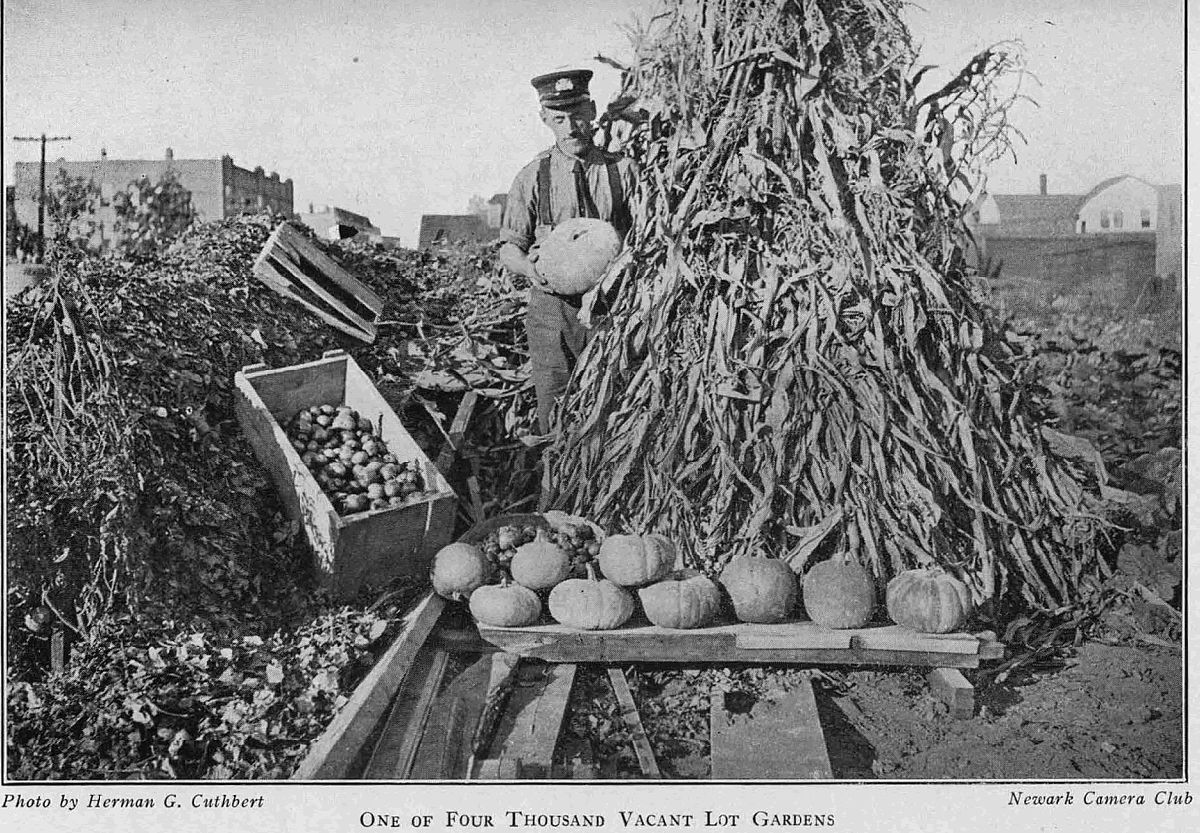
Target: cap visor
x,y
565,103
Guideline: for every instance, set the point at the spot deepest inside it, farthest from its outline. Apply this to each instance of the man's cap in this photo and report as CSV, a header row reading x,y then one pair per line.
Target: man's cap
x,y
564,88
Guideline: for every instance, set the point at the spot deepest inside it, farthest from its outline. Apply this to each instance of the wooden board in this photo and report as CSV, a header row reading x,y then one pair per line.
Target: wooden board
x,y
333,755
629,713
445,748
788,642
778,739
296,269
954,690
533,718
373,546
396,748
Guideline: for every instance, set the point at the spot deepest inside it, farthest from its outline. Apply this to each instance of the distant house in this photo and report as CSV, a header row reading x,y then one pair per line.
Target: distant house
x,y
1123,219
1119,203
333,223
440,229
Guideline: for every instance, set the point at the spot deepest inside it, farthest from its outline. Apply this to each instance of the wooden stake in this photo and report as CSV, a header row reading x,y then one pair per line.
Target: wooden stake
x,y
641,743
950,686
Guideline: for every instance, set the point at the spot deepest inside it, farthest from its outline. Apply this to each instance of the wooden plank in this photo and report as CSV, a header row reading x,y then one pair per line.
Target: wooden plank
x,y
501,680
529,730
629,712
800,643
300,494
806,634
950,686
778,739
396,749
445,748
896,638
332,755
458,430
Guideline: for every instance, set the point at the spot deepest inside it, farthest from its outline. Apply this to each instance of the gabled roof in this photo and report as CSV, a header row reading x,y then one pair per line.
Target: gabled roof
x,y
1036,215
1112,180
453,228
499,199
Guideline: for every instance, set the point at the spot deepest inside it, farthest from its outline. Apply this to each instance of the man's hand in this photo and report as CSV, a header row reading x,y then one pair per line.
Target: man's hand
x,y
535,277
523,263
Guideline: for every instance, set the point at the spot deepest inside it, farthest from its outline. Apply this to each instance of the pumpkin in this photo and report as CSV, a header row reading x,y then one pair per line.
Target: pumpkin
x,y
762,590
636,560
685,599
929,601
839,593
505,605
575,255
591,604
540,564
457,568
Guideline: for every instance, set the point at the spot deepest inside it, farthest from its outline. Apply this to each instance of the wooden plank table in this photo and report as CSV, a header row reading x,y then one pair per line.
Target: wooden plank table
x,y
795,642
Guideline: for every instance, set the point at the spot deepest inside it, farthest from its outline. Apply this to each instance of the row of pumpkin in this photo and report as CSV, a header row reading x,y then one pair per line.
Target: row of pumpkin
x,y
837,593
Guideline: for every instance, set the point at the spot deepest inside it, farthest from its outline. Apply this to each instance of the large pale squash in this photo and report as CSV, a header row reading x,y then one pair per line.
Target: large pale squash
x,y
591,604
575,255
839,593
685,599
458,569
928,601
763,590
505,605
636,560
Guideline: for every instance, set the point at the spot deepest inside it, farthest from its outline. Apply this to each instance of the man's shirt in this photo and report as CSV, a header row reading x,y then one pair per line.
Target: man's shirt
x,y
521,214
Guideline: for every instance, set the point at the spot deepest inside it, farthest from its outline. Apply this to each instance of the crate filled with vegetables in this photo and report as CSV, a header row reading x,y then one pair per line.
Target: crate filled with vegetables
x,y
371,503
558,588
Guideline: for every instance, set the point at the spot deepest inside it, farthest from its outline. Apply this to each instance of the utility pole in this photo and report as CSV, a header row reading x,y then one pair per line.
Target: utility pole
x,y
41,237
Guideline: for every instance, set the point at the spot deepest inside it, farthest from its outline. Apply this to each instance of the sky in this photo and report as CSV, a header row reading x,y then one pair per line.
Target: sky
x,y
396,108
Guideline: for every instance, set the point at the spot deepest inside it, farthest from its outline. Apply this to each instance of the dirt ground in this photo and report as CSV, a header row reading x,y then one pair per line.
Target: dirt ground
x,y
1109,711
1103,711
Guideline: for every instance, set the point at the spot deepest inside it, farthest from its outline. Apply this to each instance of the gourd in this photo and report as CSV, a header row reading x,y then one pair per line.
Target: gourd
x,y
685,599
540,564
763,590
458,569
505,605
636,560
591,604
575,255
839,593
928,600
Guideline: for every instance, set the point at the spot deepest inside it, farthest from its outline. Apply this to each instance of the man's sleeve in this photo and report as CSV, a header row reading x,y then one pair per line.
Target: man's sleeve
x,y
520,216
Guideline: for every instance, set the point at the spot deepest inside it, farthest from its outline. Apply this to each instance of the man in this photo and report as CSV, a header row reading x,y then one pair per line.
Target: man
x,y
572,178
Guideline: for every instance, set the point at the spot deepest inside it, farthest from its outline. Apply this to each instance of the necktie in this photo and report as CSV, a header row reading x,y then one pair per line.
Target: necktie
x,y
583,196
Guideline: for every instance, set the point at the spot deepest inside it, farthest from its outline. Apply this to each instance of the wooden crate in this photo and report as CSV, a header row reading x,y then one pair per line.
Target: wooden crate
x,y
367,547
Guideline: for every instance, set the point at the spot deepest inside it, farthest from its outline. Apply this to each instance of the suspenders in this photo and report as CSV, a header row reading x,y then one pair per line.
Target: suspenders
x,y
620,211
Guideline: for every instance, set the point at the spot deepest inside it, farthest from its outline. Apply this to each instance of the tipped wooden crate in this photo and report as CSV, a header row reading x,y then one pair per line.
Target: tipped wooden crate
x,y
368,547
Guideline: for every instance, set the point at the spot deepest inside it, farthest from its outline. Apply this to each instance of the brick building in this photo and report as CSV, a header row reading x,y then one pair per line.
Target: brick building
x,y
219,188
